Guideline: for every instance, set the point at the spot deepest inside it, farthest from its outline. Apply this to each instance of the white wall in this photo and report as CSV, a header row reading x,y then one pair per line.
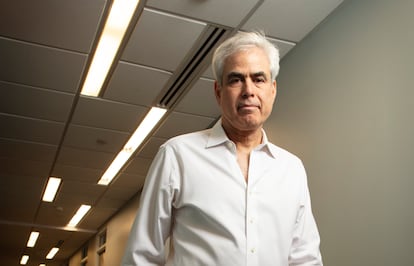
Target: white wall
x,y
345,106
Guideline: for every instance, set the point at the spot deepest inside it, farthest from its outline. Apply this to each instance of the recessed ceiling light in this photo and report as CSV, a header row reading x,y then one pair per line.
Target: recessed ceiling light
x,y
32,239
52,253
113,32
51,189
24,259
140,134
82,211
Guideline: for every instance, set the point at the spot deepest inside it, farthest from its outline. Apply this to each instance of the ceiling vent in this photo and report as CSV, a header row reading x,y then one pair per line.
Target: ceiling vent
x,y
193,67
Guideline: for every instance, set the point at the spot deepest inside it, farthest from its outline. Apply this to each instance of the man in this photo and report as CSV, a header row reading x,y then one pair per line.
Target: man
x,y
227,196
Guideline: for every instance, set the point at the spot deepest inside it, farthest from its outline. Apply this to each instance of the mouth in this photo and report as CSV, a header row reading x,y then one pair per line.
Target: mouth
x,y
247,107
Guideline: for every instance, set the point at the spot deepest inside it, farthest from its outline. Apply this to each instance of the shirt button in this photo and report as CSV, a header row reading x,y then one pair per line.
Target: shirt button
x,y
253,250
251,220
229,145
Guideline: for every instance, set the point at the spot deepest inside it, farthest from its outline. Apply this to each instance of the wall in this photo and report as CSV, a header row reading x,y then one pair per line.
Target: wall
x,y
117,232
345,105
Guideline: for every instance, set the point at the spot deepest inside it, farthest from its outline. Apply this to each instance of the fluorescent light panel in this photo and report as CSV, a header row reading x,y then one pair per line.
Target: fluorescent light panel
x,y
146,126
51,189
24,259
82,211
114,30
32,239
52,253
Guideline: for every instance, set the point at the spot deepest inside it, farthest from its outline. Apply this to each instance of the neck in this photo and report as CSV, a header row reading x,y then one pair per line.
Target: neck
x,y
245,140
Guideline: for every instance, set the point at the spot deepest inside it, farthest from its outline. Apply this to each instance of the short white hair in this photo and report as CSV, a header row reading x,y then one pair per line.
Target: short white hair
x,y
242,41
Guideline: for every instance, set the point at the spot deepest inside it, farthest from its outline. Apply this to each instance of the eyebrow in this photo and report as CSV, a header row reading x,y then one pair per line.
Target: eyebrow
x,y
235,75
260,73
241,76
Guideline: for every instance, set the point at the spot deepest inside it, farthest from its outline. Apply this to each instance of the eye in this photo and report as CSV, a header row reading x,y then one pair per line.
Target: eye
x,y
259,80
234,80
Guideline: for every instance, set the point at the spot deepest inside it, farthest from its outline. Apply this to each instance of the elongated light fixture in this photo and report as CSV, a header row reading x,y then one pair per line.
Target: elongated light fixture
x,y
113,32
81,212
51,189
146,126
52,253
24,259
32,239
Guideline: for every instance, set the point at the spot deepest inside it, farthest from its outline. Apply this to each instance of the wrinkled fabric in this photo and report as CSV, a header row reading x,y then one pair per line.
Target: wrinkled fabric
x,y
196,195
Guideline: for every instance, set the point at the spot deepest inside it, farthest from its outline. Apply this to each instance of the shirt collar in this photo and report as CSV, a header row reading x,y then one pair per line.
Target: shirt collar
x,y
218,137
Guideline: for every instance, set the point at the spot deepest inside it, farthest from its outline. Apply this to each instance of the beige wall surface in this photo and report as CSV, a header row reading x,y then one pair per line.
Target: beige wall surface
x,y
345,106
117,232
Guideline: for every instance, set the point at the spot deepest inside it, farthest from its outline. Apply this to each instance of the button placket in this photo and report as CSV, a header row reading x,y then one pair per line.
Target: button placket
x,y
251,216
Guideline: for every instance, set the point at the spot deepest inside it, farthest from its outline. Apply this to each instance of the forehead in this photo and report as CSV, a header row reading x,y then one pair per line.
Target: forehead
x,y
253,59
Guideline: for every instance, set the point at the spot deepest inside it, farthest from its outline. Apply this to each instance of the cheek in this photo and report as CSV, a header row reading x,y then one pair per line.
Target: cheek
x,y
229,97
268,100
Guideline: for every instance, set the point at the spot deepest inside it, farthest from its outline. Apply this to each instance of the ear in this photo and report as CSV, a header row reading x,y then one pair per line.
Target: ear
x,y
274,85
217,91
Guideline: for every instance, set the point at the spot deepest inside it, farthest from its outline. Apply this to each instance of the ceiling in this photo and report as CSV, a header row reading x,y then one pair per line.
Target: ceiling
x,y
48,129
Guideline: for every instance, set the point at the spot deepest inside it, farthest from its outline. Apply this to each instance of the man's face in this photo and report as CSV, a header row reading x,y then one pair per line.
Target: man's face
x,y
247,92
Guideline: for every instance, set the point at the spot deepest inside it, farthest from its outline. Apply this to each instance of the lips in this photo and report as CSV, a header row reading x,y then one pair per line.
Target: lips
x,y
247,106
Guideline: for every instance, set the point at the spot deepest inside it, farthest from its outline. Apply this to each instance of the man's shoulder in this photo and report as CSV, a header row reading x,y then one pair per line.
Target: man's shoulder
x,y
280,152
193,138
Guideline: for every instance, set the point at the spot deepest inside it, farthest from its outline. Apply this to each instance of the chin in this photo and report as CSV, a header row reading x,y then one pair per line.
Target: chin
x,y
250,124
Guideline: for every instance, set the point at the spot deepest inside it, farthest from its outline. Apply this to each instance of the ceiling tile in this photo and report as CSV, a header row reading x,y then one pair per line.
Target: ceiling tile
x,y
84,158
54,214
180,123
40,66
79,193
291,20
283,46
27,150
161,40
138,166
95,139
217,12
192,103
75,173
15,206
115,198
129,182
36,130
100,113
136,84
11,166
56,23
12,237
151,147
34,102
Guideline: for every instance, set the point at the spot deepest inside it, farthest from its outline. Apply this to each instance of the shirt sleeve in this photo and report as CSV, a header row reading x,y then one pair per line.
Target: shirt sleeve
x,y
305,243
151,228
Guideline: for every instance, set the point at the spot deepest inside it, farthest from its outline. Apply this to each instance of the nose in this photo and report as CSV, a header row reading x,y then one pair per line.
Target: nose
x,y
248,88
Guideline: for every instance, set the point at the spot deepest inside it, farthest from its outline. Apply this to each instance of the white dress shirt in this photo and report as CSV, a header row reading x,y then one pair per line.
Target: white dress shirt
x,y
196,194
